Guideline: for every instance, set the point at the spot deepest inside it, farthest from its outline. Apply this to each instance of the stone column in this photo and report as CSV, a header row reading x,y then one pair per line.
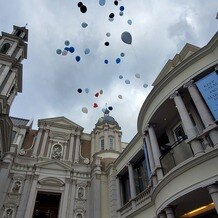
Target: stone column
x,y
169,212
45,139
38,138
155,151
71,144
10,81
162,215
187,124
72,198
118,193
213,190
32,197
77,149
203,110
24,198
64,208
4,74
131,181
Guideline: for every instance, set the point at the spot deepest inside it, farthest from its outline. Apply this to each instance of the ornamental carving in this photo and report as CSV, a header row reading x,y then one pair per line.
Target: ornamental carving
x,y
16,187
8,213
57,152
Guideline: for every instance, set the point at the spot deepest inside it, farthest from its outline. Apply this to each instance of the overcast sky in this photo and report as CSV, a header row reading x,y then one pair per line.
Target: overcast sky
x,y
159,30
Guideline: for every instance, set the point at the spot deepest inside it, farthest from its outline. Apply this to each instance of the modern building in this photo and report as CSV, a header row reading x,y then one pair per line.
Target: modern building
x,y
169,169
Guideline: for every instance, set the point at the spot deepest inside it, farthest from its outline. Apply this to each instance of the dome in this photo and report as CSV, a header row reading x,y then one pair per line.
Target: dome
x,y
107,119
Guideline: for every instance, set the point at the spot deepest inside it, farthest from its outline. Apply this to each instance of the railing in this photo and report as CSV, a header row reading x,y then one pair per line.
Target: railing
x,y
178,152
136,203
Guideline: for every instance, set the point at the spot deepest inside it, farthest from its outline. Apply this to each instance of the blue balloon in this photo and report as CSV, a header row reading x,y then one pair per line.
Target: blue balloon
x,y
120,77
66,48
121,8
71,49
102,2
118,60
106,61
77,58
66,42
127,81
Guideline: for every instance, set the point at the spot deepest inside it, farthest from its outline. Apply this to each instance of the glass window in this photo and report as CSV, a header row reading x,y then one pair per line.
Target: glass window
x,y
111,143
179,132
125,188
102,143
5,48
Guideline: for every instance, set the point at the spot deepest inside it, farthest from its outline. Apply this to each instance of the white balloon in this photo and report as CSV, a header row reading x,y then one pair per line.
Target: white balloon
x,y
127,81
86,90
66,42
87,51
145,85
120,96
64,52
137,75
84,110
58,51
104,110
108,34
129,22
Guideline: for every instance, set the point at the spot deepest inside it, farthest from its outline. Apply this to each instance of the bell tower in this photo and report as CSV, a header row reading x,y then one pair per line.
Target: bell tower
x,y
13,49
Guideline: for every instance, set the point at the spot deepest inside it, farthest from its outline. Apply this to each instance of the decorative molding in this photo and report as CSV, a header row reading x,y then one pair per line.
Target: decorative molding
x,y
51,181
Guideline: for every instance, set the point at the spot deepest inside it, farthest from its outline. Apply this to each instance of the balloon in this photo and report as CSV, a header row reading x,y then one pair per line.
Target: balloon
x,y
95,105
102,2
110,108
104,110
66,48
106,61
129,22
84,24
126,37
116,3
87,51
77,58
86,90
79,90
121,13
118,60
137,75
108,34
127,81
111,15
107,43
84,110
120,96
120,77
101,92
96,94
145,85
122,54
64,52
121,8
58,51
79,4
66,42
83,9
71,49
111,19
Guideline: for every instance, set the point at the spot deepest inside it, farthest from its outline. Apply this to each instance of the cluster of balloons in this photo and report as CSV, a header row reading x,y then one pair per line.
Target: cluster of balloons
x,y
82,7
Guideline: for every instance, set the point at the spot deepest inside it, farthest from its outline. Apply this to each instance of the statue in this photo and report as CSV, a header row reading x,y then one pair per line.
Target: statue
x,y
57,152
16,186
8,213
80,193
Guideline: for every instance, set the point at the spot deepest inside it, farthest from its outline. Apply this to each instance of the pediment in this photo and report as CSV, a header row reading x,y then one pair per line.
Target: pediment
x,y
53,165
60,122
51,181
187,51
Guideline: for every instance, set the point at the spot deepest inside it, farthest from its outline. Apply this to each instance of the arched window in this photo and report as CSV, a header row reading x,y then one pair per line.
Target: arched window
x,y
18,32
101,142
5,48
57,152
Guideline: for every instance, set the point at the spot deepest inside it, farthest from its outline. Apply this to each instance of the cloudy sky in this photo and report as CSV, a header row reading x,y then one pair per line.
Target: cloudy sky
x,y
159,30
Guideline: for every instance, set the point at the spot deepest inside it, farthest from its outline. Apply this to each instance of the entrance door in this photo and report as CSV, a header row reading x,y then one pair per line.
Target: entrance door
x,y
47,205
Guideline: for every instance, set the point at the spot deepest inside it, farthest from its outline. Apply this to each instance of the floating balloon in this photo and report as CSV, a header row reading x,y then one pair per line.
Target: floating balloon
x,y
127,81
84,24
107,43
145,85
86,90
121,8
79,90
58,51
129,22
104,110
116,3
71,49
101,92
108,34
79,4
118,60
137,75
106,61
84,110
95,105
121,13
120,96
120,77
64,52
110,108
87,51
122,54
111,15
83,9
77,58
111,19
126,37
66,48
102,2
66,42
96,94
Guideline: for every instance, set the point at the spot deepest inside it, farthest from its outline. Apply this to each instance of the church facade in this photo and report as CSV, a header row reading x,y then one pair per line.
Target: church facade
x,y
169,169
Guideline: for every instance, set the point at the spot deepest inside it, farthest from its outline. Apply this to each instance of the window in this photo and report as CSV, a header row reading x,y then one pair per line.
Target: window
x,y
178,132
5,48
125,187
18,32
111,143
102,143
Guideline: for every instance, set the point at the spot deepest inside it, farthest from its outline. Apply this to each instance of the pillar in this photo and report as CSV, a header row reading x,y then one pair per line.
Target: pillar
x,y
118,193
169,212
203,110
72,198
71,144
77,149
64,208
38,138
131,181
162,215
44,142
213,191
189,128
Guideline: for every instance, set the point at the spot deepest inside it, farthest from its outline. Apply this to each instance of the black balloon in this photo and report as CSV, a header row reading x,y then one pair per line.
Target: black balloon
x,y
110,108
79,90
83,9
111,15
116,2
106,43
80,4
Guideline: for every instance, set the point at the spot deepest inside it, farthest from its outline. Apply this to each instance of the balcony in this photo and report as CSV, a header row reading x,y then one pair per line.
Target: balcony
x,y
178,152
